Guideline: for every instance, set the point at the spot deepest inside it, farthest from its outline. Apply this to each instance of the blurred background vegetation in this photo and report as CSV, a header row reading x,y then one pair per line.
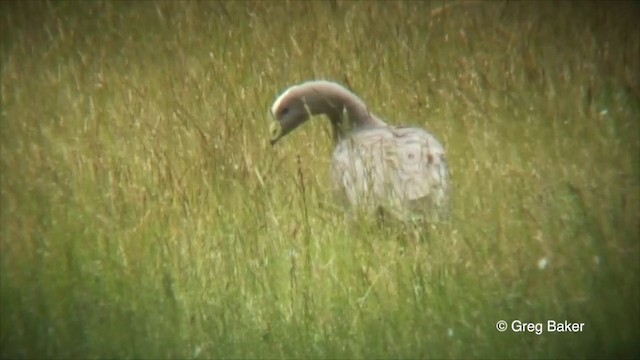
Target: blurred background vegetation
x,y
143,213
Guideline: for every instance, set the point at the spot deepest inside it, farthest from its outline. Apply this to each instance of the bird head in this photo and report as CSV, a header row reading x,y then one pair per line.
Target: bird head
x,y
288,112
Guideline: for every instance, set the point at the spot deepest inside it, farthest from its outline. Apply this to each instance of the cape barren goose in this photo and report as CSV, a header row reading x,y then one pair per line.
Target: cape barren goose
x,y
375,166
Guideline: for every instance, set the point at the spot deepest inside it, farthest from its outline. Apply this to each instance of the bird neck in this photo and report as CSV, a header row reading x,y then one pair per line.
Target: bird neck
x,y
350,115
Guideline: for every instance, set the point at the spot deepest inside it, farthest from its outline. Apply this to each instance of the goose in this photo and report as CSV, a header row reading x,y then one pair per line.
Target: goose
x,y
375,166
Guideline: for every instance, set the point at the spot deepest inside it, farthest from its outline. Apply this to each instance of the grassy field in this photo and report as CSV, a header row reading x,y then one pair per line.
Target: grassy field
x,y
145,215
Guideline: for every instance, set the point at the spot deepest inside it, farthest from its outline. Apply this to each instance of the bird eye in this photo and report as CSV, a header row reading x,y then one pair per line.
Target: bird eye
x,y
284,111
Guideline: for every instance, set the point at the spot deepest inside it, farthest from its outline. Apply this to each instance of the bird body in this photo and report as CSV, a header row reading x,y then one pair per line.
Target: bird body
x,y
375,166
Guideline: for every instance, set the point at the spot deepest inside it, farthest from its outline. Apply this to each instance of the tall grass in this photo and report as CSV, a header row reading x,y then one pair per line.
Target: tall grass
x,y
144,214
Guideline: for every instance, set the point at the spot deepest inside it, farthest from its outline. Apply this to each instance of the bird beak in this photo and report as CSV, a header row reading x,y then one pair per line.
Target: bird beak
x,y
276,132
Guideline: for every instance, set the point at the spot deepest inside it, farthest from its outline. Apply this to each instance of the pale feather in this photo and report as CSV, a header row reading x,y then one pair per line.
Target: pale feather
x,y
402,170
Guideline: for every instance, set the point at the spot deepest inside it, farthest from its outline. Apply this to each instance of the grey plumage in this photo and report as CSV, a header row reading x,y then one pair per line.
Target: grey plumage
x,y
399,169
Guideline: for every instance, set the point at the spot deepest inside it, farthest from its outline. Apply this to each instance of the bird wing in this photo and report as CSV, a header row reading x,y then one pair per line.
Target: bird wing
x,y
400,168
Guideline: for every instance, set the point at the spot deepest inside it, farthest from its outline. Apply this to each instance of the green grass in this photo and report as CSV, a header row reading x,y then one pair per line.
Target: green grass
x,y
144,214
